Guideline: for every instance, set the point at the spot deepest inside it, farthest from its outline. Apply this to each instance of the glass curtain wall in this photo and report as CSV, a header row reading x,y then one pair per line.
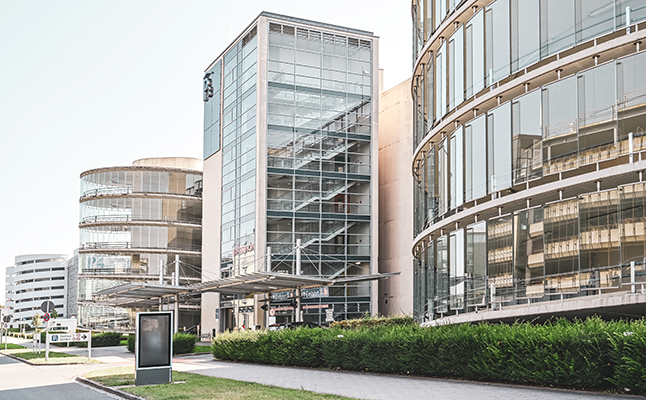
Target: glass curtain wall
x,y
211,97
587,118
239,155
510,35
319,158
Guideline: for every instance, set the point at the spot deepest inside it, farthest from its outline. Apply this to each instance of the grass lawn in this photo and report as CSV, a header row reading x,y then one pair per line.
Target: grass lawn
x,y
11,346
123,342
54,357
199,387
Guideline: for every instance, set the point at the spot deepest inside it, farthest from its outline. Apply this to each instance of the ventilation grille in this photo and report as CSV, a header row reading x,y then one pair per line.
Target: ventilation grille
x,y
247,38
318,36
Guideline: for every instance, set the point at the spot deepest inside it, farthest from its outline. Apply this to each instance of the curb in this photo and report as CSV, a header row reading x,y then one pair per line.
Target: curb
x,y
43,365
107,389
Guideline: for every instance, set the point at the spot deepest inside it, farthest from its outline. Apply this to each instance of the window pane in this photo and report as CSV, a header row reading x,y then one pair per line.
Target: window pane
x,y
499,147
476,264
440,82
595,18
527,144
498,48
456,278
560,145
456,68
476,158
557,26
457,173
475,56
525,37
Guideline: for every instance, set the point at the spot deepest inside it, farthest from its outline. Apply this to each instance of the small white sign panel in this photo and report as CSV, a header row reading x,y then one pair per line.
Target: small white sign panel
x,y
329,315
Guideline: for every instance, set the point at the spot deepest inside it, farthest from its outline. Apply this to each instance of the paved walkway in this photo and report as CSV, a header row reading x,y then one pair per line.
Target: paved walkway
x,y
350,384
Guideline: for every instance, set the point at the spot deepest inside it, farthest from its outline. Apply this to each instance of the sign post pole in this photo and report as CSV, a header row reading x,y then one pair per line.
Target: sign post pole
x,y
89,346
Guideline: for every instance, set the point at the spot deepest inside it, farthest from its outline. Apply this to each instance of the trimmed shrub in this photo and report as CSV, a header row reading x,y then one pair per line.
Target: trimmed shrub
x,y
590,354
103,339
369,322
131,343
183,343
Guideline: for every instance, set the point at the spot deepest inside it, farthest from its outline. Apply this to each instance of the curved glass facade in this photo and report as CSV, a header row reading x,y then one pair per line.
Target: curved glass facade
x,y
499,40
535,155
580,120
134,220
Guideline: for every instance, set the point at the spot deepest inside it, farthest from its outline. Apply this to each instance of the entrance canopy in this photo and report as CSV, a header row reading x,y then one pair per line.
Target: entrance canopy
x,y
254,283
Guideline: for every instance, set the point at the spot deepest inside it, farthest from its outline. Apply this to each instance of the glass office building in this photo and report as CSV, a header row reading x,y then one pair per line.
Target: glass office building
x,y
134,221
529,141
289,140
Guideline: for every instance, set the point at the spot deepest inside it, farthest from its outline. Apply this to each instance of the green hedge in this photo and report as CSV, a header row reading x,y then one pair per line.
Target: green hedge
x,y
590,354
131,343
369,322
182,343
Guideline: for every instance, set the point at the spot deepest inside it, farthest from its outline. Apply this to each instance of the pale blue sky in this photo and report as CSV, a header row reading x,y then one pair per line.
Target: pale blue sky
x,y
89,84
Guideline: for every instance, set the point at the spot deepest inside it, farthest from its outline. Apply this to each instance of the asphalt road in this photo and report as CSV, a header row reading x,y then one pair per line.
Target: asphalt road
x,y
19,381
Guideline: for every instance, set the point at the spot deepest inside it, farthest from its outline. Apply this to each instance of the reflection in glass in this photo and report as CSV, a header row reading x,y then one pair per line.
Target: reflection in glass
x,y
476,264
560,144
561,233
442,177
457,165
597,99
599,232
528,253
500,265
526,131
442,303
456,261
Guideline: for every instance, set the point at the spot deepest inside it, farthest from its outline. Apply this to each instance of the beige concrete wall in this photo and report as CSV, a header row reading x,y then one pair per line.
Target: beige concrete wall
x,y
170,162
211,218
396,199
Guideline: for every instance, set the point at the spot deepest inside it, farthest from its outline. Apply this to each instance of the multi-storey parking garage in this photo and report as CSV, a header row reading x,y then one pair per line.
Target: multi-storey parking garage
x,y
134,221
34,279
529,154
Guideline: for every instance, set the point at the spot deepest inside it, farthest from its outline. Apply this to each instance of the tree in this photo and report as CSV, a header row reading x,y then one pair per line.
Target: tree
x,y
54,314
36,321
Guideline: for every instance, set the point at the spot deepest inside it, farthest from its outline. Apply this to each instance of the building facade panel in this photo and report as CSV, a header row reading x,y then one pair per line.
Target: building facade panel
x,y
511,208
33,280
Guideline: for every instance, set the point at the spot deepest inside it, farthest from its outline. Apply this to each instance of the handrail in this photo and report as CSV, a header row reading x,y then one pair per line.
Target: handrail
x,y
129,218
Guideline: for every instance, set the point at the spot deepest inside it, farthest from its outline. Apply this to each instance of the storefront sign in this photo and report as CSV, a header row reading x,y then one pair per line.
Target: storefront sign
x,y
246,309
313,306
243,249
282,296
311,293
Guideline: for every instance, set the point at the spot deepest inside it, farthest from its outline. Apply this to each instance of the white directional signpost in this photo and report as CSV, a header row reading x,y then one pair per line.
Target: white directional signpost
x,y
69,337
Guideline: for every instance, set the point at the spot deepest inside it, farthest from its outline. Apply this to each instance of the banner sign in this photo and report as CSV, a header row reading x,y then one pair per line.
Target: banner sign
x,y
282,296
311,293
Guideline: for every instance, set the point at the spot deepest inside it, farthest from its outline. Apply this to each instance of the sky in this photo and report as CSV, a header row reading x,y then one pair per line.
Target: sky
x,y
90,84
